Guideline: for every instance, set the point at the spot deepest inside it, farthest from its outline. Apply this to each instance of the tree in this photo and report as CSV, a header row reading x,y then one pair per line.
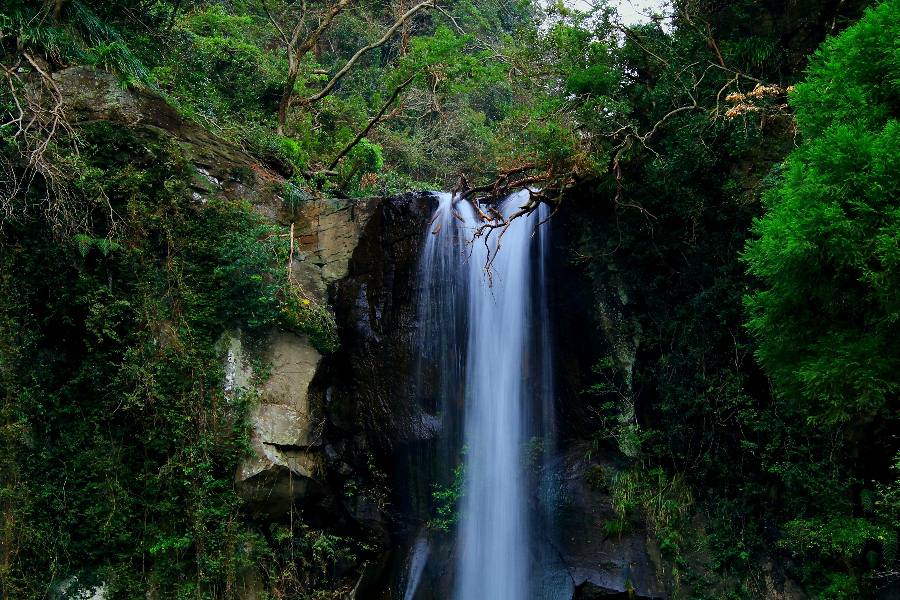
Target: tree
x,y
827,314
297,46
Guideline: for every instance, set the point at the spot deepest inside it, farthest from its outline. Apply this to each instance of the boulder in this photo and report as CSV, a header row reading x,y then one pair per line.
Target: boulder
x,y
286,431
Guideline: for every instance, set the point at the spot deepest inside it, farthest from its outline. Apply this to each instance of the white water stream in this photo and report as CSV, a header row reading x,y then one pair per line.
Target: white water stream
x,y
485,349
493,556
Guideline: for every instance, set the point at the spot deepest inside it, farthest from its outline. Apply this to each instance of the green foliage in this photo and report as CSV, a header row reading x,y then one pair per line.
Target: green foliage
x,y
446,501
887,499
444,57
112,382
841,538
663,503
218,72
105,47
110,377
299,561
834,552
358,171
827,317
307,316
123,409
226,66
86,242
614,411
664,235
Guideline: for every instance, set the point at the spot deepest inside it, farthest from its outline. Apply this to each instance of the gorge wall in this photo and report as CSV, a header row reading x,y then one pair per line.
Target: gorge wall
x,y
345,443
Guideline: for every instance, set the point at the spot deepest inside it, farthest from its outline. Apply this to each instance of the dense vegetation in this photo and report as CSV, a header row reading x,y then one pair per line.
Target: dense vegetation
x,y
737,183
766,374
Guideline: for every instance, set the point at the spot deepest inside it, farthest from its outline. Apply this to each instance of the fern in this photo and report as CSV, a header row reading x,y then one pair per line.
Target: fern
x,y
107,47
32,32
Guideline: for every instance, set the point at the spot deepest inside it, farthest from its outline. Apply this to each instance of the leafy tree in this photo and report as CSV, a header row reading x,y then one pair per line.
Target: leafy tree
x,y
827,318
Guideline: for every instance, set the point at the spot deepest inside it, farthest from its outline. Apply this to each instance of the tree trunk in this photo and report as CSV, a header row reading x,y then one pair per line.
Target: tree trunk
x,y
296,54
288,93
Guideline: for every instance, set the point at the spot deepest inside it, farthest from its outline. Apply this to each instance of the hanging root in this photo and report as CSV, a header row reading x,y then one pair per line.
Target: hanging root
x,y
47,144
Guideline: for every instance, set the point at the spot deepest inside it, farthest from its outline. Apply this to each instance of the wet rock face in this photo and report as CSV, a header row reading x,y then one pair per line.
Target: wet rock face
x,y
601,566
376,306
598,312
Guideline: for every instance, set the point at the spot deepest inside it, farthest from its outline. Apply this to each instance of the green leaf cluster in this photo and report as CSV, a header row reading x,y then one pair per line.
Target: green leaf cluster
x,y
827,317
119,443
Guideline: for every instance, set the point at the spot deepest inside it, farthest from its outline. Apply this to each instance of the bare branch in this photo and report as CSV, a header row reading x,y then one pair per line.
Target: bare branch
x,y
313,37
265,7
453,20
359,53
637,40
372,122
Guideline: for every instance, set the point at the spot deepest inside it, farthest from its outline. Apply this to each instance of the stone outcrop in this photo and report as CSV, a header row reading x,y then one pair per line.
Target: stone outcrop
x,y
318,422
91,95
288,421
328,232
286,433
602,566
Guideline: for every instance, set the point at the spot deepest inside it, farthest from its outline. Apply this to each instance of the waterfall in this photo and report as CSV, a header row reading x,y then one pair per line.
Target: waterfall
x,y
418,556
493,534
486,357
441,339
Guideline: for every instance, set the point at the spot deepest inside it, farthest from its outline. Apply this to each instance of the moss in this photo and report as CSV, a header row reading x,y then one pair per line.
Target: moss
x,y
307,316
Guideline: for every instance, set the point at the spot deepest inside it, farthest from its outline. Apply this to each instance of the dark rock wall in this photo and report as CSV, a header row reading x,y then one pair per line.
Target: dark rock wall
x,y
375,306
366,387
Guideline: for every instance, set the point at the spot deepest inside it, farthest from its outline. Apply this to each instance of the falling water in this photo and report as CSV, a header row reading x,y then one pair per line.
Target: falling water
x,y
485,369
440,371
418,557
494,541
441,340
